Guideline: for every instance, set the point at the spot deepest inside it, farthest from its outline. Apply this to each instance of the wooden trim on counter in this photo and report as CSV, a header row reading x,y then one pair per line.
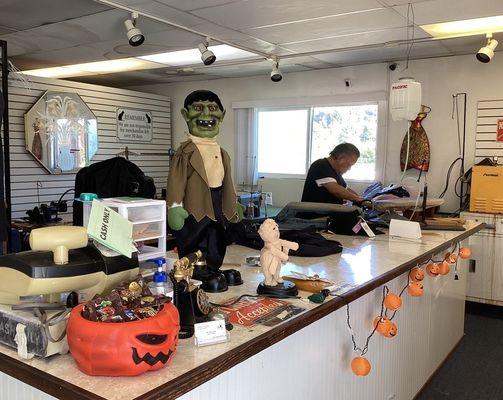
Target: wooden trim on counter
x,y
203,373
43,381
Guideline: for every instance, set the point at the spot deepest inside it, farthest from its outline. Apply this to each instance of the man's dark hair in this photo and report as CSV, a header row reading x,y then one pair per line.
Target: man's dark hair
x,y
202,95
345,149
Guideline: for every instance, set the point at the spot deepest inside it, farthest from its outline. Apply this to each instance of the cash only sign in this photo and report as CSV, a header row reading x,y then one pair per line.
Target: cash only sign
x,y
110,229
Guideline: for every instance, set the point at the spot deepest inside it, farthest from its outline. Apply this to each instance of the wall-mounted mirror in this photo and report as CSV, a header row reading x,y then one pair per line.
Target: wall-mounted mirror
x,y
61,132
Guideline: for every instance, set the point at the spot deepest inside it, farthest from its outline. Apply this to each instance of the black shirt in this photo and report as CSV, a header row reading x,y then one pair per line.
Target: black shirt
x,y
313,191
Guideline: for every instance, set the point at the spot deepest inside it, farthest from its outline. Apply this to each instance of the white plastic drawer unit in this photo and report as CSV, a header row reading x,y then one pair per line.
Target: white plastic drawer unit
x,y
147,230
142,214
149,224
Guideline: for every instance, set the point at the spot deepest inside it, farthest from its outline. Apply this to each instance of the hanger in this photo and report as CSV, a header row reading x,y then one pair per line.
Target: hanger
x,y
126,153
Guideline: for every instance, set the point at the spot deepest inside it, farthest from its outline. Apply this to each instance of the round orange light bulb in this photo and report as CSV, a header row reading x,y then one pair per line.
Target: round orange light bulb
x,y
360,366
465,252
392,302
416,274
415,289
444,268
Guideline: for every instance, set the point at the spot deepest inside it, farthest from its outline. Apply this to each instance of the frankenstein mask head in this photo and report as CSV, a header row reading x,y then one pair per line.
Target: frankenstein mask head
x,y
203,112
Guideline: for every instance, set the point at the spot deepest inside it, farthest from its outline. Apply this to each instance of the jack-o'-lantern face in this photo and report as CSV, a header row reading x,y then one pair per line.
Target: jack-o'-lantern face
x,y
415,289
385,327
444,268
392,302
123,349
432,270
451,258
416,274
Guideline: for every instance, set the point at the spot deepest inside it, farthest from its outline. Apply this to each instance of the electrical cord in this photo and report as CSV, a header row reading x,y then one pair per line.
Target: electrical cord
x,y
449,176
407,156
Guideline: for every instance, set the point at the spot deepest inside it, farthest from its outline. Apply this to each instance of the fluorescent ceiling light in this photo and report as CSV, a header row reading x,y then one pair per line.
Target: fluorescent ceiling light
x,y
93,68
223,52
467,27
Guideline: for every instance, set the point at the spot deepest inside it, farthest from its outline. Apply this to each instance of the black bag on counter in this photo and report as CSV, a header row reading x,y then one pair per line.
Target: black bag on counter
x,y
311,243
344,222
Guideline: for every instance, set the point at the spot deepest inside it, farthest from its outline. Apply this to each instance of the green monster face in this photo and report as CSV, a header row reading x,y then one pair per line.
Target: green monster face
x,y
203,118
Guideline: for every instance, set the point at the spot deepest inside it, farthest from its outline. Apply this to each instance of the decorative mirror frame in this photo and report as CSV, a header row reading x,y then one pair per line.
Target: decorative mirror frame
x,y
61,132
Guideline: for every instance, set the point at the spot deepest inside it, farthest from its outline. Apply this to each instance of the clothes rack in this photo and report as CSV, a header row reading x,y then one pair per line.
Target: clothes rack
x,y
127,153
5,134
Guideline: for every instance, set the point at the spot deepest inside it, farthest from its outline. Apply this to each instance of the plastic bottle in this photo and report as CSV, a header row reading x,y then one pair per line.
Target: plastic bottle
x,y
160,283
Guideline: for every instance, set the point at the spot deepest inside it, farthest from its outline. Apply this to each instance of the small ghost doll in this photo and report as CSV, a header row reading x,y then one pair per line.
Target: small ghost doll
x,y
274,252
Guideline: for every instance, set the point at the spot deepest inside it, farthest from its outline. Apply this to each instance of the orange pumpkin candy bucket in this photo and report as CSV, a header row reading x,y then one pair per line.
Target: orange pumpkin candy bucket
x,y
124,348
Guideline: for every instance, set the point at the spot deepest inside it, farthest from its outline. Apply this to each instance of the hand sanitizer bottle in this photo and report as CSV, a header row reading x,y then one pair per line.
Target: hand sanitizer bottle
x,y
161,284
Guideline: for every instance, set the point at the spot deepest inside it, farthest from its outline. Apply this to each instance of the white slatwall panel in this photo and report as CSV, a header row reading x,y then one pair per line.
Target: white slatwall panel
x,y
103,101
488,112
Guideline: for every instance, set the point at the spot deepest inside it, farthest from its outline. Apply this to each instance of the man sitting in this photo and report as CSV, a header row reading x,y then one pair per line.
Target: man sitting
x,y
324,181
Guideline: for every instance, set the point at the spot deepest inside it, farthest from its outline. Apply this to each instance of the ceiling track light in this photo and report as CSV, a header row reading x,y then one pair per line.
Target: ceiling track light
x,y
276,74
134,34
486,53
207,56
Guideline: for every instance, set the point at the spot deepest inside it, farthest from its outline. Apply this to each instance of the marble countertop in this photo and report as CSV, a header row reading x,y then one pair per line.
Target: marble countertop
x,y
364,264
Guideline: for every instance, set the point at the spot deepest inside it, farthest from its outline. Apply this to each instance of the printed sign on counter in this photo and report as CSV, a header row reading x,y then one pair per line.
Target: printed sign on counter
x,y
134,125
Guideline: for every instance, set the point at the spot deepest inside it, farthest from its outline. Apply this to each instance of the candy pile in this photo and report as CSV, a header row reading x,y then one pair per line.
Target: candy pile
x,y
128,302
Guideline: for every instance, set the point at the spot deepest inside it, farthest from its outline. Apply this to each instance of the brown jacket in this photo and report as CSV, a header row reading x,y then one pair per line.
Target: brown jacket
x,y
188,184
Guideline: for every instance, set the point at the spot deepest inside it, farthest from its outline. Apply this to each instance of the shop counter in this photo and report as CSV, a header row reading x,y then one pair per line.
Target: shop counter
x,y
308,355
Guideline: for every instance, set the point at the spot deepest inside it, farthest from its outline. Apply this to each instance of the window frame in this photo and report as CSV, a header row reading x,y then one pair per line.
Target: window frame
x,y
381,136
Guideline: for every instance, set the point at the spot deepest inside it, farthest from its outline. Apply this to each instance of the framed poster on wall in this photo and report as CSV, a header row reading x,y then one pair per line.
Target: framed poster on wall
x,y
134,125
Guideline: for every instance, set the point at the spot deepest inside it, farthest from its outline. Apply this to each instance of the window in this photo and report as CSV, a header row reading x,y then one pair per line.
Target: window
x,y
282,141
289,140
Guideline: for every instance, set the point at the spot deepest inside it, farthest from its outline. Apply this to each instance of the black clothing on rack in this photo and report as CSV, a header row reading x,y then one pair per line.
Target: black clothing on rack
x,y
115,177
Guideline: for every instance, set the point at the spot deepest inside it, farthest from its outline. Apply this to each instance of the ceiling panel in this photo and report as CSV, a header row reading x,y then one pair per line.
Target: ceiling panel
x,y
384,54
101,27
249,14
429,12
239,38
20,15
392,3
190,5
469,44
358,39
329,27
161,10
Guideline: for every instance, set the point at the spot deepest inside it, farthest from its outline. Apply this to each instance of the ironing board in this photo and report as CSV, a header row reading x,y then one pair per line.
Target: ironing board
x,y
404,203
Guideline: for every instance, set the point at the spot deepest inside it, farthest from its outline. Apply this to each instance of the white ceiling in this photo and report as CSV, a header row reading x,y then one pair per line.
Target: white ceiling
x,y
305,34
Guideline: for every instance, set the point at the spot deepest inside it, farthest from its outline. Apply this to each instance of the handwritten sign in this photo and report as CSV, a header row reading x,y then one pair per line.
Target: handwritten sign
x,y
110,229
499,132
134,125
266,311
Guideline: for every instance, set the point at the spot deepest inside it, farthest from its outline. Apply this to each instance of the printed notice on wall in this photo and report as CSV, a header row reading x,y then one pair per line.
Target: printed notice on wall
x,y
134,125
499,132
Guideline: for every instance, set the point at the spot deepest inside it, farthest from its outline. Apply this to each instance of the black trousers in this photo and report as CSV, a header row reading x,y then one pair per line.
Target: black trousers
x,y
206,235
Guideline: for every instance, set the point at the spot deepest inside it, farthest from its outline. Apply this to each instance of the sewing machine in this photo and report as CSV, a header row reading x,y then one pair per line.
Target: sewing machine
x,y
61,261
34,286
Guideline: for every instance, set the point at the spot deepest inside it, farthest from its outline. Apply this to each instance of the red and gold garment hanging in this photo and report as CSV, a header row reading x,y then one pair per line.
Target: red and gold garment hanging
x,y
419,146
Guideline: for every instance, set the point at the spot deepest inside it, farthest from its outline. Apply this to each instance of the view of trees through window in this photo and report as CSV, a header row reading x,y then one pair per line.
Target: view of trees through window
x,y
284,135
353,124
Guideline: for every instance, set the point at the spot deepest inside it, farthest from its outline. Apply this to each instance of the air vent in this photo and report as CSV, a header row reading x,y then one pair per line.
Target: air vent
x,y
497,205
480,203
